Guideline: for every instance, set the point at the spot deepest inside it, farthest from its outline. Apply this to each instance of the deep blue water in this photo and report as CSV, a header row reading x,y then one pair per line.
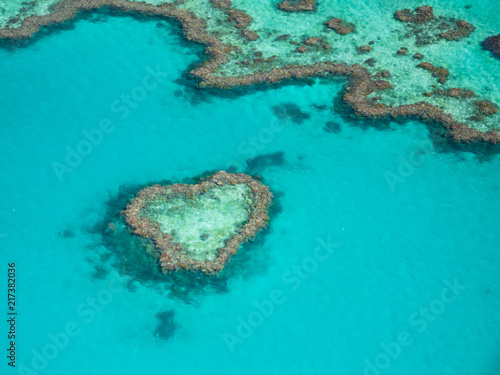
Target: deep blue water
x,y
411,234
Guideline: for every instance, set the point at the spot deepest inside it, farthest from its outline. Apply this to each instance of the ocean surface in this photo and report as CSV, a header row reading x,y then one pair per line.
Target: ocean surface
x,y
382,255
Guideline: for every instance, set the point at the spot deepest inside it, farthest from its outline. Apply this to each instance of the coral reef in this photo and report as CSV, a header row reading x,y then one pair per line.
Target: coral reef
x,y
137,260
439,72
313,44
422,23
341,27
222,4
419,15
150,216
370,62
364,49
428,29
486,107
240,18
456,92
402,51
492,44
462,30
250,35
297,5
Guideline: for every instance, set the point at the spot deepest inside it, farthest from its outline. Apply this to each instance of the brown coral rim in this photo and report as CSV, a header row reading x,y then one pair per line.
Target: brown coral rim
x,y
172,255
360,86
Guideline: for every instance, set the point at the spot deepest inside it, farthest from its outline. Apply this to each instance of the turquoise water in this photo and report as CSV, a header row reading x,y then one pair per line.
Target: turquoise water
x,y
400,221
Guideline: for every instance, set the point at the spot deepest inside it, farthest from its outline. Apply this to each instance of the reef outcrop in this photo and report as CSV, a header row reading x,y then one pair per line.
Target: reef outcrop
x,y
200,227
238,17
486,107
455,92
364,49
437,71
463,29
402,51
341,27
297,5
492,44
222,4
427,28
419,15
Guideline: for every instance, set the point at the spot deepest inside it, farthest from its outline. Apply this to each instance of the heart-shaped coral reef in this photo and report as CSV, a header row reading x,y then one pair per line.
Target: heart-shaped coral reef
x,y
200,227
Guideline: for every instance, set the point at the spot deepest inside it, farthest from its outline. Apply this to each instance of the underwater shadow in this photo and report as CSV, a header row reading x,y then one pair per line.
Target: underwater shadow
x,y
166,325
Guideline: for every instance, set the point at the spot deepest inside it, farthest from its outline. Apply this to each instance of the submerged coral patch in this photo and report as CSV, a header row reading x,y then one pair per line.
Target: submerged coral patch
x,y
260,163
341,27
291,111
200,227
428,29
492,44
297,5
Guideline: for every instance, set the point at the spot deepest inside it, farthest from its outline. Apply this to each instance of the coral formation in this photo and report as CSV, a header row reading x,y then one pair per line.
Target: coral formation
x,y
422,23
341,27
439,72
492,44
486,107
370,62
222,4
240,18
428,29
419,15
402,51
173,218
364,49
298,5
462,30
456,92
